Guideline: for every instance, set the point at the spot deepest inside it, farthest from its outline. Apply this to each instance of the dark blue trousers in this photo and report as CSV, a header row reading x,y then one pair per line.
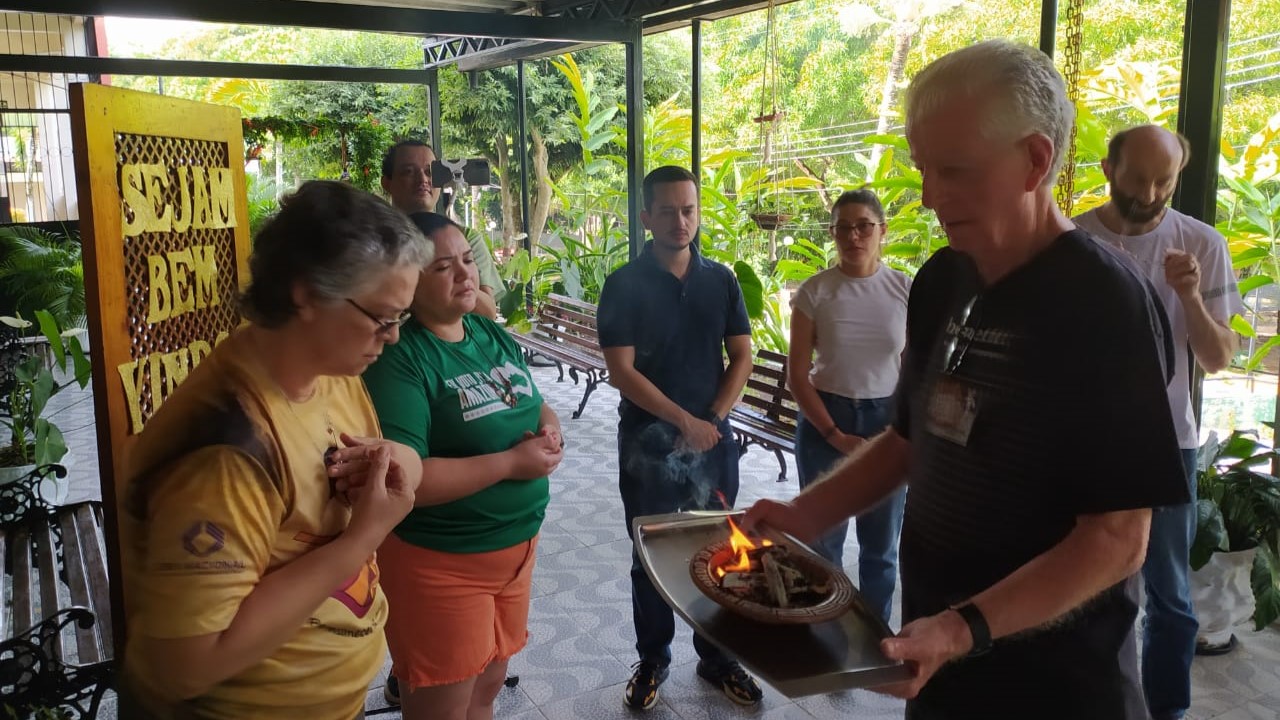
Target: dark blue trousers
x,y
654,478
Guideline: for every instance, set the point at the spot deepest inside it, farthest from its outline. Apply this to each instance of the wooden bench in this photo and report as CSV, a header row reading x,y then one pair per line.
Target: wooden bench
x,y
56,648
565,333
766,414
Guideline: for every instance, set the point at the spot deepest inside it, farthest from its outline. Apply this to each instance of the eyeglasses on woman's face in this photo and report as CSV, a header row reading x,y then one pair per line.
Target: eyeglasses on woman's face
x,y
861,229
384,326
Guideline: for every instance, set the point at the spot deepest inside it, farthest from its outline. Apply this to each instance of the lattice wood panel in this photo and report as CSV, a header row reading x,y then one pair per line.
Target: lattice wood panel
x,y
164,224
173,335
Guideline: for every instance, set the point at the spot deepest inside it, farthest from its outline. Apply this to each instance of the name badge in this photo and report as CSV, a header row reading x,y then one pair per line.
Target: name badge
x,y
952,410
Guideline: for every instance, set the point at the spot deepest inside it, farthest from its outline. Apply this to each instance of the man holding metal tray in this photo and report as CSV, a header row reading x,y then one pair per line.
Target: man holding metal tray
x,y
1031,423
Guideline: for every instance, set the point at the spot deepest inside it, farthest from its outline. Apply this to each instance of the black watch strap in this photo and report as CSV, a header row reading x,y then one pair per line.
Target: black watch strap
x,y
978,627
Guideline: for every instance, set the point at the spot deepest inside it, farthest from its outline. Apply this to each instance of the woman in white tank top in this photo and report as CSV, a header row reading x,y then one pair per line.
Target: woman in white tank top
x,y
848,330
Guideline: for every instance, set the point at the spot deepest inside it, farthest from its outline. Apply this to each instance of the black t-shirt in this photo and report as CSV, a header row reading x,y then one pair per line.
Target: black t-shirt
x,y
677,327
1027,403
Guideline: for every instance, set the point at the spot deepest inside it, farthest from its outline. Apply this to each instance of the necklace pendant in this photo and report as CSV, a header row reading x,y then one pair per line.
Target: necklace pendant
x,y
510,398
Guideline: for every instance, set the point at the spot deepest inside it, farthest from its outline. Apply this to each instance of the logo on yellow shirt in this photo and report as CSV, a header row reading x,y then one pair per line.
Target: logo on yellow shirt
x,y
359,591
203,538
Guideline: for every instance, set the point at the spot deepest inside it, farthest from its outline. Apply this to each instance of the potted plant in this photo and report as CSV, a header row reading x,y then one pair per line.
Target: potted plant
x,y
1235,558
33,440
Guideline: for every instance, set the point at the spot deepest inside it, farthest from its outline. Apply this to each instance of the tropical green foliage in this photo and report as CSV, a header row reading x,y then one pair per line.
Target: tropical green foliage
x,y
529,280
33,439
841,66
262,200
576,126
734,181
42,270
329,128
1249,218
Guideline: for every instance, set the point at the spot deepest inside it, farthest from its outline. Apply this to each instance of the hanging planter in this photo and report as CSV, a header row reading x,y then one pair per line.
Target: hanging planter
x,y
769,221
768,214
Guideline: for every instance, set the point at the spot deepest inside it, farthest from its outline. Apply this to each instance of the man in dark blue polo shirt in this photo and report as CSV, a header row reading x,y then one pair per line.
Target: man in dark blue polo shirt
x,y
666,320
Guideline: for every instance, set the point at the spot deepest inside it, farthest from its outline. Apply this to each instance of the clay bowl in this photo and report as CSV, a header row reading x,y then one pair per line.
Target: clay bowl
x,y
830,608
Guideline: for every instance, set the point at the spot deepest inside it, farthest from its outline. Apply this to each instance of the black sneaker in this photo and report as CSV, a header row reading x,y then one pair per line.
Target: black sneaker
x,y
642,691
391,691
736,684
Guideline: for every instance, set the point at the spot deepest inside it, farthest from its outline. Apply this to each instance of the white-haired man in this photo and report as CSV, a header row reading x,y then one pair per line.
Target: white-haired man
x,y
1031,420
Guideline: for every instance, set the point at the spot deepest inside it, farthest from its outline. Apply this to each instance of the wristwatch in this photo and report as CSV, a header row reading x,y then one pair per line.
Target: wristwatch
x,y
978,627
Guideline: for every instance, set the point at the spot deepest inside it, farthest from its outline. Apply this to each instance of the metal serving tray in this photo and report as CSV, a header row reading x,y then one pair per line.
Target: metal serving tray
x,y
798,660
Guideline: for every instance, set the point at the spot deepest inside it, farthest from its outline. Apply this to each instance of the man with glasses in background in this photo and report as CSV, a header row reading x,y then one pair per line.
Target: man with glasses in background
x,y
1030,418
1188,264
406,178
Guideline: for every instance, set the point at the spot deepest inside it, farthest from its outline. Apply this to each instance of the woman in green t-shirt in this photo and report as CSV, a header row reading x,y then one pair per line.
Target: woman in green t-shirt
x,y
457,571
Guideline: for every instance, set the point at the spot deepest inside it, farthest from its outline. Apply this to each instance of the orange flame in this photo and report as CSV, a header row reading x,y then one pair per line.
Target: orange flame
x,y
740,544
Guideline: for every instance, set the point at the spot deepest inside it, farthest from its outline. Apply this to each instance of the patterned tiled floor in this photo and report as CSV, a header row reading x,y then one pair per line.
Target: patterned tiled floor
x,y
581,648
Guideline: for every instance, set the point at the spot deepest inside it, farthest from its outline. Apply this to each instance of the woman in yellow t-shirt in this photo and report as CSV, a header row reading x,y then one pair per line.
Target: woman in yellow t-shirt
x,y
250,582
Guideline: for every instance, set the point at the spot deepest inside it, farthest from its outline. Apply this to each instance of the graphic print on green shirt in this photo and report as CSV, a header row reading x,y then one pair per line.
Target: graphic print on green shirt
x,y
446,400
479,395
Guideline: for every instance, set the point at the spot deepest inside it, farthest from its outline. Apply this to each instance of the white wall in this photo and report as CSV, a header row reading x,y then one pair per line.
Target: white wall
x,y
51,193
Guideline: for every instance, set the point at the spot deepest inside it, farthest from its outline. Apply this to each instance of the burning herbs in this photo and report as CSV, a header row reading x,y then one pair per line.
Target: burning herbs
x,y
774,583
741,545
766,574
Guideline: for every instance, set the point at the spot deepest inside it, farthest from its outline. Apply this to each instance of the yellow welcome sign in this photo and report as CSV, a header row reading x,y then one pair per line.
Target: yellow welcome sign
x,y
163,220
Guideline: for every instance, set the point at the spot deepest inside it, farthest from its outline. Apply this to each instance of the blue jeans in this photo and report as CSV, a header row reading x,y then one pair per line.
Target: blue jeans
x,y
1170,624
877,529
654,479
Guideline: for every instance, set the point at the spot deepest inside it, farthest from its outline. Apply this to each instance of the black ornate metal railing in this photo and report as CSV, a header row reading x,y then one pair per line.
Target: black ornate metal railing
x,y
26,498
33,676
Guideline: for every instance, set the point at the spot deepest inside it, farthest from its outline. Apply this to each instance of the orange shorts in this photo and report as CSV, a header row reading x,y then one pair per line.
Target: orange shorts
x,y
451,614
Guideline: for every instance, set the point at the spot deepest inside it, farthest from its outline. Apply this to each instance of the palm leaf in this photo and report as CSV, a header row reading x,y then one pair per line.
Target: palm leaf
x,y
40,270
